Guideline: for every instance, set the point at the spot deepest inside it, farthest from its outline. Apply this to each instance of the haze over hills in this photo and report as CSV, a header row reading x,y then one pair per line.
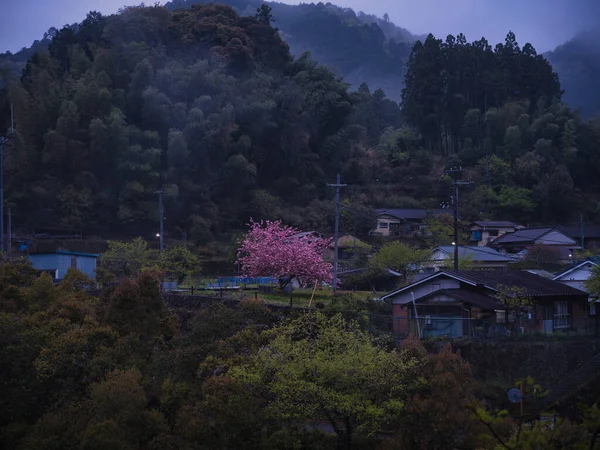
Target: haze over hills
x,y
365,48
577,63
357,46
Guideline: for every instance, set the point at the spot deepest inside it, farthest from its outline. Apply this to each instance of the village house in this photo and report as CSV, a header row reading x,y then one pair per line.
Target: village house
x,y
586,235
457,304
576,276
60,261
483,232
477,257
350,251
522,242
403,222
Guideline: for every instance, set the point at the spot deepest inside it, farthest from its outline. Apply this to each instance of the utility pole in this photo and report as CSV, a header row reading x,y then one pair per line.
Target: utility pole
x,y
337,187
9,237
454,172
4,140
582,232
161,216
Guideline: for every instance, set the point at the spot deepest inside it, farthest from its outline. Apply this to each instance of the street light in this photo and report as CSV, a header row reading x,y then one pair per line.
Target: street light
x,y
157,234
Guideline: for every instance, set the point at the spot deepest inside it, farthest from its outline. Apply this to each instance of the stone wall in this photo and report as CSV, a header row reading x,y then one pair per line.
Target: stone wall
x,y
547,362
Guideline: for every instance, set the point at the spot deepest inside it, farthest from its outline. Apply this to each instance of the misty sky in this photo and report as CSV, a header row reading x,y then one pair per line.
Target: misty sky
x,y
544,23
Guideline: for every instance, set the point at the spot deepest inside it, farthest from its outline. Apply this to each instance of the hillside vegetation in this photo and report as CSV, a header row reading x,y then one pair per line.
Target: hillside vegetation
x,y
357,46
212,107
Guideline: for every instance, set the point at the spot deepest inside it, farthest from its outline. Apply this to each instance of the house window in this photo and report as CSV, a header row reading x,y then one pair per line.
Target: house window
x,y
476,236
384,224
500,316
561,314
427,320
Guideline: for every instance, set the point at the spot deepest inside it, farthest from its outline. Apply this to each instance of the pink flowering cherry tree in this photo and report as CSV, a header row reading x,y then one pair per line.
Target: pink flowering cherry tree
x,y
273,249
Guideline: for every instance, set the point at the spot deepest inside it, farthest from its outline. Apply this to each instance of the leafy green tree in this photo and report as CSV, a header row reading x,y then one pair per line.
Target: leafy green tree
x,y
311,369
124,259
517,301
179,263
439,230
399,257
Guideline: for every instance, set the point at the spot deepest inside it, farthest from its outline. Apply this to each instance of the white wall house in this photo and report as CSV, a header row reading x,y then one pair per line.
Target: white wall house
x,y
576,277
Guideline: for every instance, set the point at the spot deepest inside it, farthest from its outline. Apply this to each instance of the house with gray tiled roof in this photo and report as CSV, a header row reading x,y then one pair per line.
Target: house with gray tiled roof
x,y
469,303
403,221
526,240
479,257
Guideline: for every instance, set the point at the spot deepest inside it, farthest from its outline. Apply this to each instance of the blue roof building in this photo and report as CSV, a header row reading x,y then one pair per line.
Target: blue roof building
x,y
61,261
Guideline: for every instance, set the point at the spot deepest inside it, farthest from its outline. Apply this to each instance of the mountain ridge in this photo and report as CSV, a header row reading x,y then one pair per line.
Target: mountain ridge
x,y
365,48
577,63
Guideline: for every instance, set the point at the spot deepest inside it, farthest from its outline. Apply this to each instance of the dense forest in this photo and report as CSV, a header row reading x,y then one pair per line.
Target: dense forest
x,y
123,370
212,108
357,46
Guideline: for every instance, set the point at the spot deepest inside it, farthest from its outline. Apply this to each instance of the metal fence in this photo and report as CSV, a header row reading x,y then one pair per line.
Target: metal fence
x,y
452,327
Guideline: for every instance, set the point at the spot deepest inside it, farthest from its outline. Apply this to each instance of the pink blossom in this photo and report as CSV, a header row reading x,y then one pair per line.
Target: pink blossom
x,y
272,249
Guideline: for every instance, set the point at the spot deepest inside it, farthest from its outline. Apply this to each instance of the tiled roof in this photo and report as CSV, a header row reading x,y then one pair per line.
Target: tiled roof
x,y
524,236
534,285
469,296
498,224
476,253
574,266
589,231
411,214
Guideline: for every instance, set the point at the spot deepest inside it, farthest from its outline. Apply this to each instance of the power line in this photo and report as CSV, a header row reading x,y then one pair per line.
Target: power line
x,y
337,187
454,172
161,217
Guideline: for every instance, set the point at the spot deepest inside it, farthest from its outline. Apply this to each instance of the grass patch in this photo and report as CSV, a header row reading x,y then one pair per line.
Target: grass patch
x,y
301,297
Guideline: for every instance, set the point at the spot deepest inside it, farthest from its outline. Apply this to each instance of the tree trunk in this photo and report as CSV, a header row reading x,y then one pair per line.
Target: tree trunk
x,y
348,433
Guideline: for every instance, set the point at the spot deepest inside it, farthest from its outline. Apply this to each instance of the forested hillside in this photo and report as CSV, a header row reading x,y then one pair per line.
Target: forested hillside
x,y
498,112
212,107
203,102
357,46
577,62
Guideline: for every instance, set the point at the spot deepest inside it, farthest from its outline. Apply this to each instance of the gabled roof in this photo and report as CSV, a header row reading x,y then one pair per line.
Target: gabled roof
x,y
448,273
475,253
467,296
572,268
495,224
65,252
304,234
349,241
534,285
525,236
541,273
410,214
589,231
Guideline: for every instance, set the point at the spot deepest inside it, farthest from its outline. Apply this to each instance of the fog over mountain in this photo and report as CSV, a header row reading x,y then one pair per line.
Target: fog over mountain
x,y
544,23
